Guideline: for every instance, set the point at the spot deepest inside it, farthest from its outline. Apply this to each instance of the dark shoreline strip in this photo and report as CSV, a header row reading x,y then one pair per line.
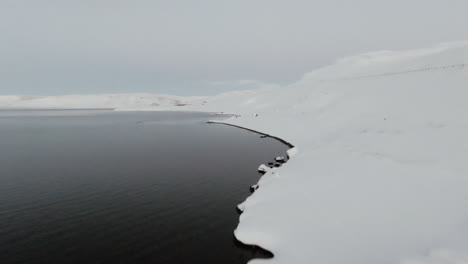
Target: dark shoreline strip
x,y
254,131
253,248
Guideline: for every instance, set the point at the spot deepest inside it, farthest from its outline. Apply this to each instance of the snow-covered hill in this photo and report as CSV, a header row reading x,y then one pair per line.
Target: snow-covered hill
x,y
380,169
381,173
134,101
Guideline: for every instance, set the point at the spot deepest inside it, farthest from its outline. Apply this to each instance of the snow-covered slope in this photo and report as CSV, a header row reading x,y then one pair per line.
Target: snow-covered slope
x,y
380,172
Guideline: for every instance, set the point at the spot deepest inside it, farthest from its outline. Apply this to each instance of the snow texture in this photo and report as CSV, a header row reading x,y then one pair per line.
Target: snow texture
x,y
379,173
280,159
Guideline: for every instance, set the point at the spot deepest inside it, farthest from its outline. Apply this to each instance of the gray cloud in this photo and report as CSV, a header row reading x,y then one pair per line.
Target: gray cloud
x,y
180,46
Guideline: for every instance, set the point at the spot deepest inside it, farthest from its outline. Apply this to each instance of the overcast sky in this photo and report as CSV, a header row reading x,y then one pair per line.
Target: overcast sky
x,y
195,47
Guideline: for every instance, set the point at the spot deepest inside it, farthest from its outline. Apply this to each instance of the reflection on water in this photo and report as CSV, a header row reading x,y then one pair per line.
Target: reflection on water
x,y
124,187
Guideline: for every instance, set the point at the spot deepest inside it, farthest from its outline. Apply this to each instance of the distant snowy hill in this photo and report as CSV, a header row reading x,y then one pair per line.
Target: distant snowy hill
x,y
135,101
380,169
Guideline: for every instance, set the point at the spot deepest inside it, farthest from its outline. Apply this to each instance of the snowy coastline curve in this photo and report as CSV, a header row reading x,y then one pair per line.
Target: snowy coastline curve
x,y
291,151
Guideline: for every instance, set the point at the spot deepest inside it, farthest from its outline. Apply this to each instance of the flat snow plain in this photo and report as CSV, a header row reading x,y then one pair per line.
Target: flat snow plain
x,y
380,169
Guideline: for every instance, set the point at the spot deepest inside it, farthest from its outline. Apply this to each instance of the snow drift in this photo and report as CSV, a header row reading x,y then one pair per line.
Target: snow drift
x,y
380,172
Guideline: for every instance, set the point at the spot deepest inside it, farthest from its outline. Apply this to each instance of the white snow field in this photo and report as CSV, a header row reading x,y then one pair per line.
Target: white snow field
x,y
380,169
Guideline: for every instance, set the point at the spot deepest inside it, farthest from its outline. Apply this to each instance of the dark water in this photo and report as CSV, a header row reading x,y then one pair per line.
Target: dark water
x,y
124,187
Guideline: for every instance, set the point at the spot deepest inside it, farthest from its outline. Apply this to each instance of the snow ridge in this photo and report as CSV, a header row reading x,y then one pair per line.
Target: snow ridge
x,y
432,68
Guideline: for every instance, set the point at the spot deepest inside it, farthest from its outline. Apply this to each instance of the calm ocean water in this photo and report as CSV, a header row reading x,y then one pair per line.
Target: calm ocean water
x,y
124,187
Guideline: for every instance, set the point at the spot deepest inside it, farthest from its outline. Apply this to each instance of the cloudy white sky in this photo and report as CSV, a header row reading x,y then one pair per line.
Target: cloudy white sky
x,y
193,47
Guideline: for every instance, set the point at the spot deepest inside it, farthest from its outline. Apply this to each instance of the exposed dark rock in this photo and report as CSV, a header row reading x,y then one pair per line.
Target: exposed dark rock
x,y
253,188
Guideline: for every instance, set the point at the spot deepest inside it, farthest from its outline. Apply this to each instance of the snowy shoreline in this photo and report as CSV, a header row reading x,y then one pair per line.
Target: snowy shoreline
x,y
381,175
